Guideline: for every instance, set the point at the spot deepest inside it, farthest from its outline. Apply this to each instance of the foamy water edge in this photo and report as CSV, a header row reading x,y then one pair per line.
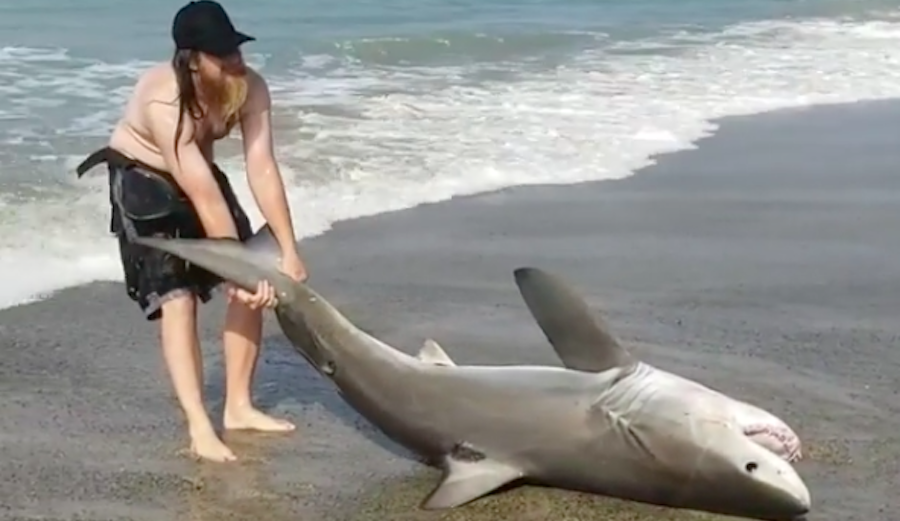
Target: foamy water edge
x,y
603,116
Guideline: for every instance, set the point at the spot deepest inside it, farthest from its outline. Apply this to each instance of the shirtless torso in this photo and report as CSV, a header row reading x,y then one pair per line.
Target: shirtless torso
x,y
134,134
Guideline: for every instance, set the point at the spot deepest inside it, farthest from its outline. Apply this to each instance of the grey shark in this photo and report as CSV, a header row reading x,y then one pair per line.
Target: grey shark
x,y
605,423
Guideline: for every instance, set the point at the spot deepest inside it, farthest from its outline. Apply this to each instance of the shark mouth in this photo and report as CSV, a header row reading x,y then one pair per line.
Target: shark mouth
x,y
781,441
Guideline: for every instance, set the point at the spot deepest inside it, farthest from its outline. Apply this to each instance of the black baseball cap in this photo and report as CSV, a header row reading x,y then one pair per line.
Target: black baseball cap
x,y
203,25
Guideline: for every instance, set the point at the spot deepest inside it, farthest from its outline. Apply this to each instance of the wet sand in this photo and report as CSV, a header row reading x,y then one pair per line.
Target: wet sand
x,y
762,263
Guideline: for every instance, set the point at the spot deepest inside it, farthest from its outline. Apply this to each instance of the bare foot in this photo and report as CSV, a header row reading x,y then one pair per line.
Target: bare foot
x,y
249,418
208,446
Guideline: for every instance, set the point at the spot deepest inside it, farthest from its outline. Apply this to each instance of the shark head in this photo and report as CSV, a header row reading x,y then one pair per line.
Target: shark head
x,y
695,447
736,475
681,445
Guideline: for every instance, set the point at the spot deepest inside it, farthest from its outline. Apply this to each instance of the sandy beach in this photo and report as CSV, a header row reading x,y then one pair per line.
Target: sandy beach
x,y
762,263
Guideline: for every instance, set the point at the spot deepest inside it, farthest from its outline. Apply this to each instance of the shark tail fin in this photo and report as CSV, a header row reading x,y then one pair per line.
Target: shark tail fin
x,y
245,264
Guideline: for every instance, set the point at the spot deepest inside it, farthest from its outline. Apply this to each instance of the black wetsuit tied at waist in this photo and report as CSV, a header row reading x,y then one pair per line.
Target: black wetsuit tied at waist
x,y
140,191
147,202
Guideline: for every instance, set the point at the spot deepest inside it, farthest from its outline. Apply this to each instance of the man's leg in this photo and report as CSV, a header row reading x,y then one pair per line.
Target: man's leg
x,y
242,337
181,350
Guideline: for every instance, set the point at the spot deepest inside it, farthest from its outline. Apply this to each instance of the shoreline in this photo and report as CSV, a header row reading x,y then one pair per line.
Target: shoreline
x,y
758,262
713,125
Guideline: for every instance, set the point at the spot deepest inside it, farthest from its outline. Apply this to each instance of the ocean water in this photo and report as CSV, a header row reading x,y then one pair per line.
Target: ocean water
x,y
382,105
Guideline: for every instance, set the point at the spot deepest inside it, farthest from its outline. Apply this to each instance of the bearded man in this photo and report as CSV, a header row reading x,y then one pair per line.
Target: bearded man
x,y
164,182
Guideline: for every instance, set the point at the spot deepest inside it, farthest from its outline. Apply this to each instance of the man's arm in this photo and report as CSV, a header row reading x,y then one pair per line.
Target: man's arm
x,y
190,169
263,175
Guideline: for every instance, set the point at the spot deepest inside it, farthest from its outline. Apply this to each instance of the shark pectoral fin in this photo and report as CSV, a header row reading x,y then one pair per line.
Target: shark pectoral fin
x,y
466,481
432,353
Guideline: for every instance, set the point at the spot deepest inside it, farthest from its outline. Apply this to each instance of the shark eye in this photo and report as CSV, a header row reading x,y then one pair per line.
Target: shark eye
x,y
751,466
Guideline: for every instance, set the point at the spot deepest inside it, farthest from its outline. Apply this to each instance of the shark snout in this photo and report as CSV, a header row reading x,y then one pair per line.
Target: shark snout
x,y
797,504
782,488
792,485
800,500
753,481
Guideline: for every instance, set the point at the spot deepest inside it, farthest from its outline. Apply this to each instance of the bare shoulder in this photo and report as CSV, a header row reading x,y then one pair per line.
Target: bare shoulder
x,y
158,86
258,97
157,100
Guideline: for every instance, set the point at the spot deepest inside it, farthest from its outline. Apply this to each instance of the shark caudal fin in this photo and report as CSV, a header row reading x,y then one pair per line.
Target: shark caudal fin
x,y
582,341
245,264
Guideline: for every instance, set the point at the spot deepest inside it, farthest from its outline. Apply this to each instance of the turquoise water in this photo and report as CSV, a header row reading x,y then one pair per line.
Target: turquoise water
x,y
385,105
117,31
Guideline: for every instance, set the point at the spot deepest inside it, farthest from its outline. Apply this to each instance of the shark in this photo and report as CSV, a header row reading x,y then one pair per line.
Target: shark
x,y
604,422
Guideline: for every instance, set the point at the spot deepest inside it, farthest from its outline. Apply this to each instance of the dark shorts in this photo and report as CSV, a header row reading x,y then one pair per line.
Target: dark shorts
x,y
151,276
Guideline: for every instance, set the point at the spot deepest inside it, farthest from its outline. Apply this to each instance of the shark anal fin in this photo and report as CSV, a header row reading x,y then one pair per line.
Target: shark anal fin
x,y
432,353
468,479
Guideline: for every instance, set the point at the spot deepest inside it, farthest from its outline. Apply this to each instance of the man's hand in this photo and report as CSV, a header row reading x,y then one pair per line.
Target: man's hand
x,y
264,296
293,266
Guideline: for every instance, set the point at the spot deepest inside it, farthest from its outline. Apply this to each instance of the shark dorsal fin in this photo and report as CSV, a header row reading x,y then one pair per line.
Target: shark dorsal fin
x,y
581,340
469,478
432,353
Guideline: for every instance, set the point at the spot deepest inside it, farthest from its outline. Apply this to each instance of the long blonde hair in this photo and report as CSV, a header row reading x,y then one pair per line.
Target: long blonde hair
x,y
229,99
187,94
232,97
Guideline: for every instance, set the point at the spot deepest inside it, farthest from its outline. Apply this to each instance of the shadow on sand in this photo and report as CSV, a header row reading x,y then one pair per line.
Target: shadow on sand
x,y
284,376
244,491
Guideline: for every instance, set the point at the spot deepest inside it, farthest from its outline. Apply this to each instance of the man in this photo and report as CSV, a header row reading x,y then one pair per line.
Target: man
x,y
163,182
